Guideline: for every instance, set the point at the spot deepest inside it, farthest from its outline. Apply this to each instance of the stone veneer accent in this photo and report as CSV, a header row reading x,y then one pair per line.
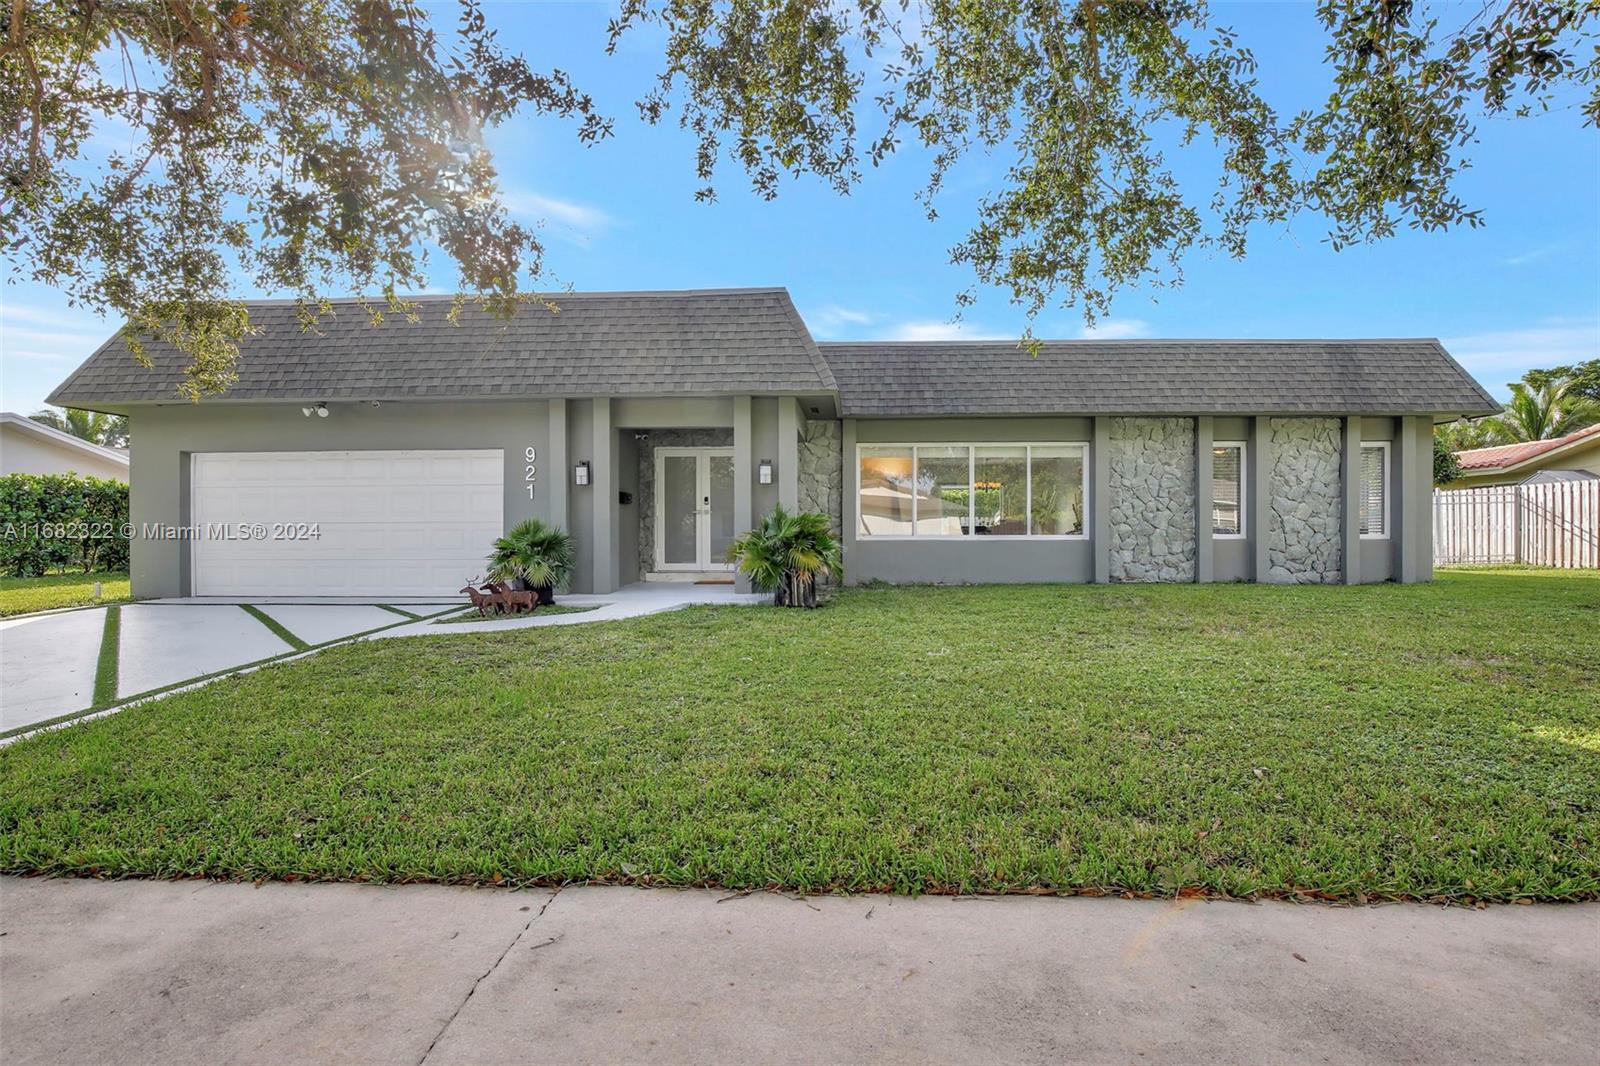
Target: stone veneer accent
x,y
665,438
821,481
1304,538
1152,499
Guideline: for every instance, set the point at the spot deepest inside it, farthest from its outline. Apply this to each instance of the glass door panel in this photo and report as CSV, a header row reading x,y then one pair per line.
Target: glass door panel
x,y
679,500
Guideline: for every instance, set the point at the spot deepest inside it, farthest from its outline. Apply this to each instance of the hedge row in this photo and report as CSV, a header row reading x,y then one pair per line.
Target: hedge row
x,y
61,522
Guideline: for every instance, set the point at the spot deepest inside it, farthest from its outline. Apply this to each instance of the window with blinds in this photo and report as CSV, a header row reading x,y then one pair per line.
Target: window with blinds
x,y
1227,489
1375,489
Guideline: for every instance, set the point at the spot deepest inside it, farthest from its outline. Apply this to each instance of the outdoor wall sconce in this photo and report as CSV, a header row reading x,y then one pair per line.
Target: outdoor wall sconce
x,y
580,473
320,410
764,472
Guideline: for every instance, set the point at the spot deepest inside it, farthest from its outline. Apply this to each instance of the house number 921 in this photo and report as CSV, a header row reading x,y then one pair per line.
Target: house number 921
x,y
530,454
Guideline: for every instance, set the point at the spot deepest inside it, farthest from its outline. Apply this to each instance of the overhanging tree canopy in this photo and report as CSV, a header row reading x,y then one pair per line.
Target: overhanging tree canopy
x,y
322,145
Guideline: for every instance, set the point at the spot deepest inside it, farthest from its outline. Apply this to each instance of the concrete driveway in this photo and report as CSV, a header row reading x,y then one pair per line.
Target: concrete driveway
x,y
179,972
49,662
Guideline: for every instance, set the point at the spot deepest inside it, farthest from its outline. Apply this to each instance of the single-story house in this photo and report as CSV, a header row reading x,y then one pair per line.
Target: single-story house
x,y
29,447
656,426
1573,457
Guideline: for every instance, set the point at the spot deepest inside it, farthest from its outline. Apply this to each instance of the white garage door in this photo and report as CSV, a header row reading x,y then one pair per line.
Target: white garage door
x,y
403,523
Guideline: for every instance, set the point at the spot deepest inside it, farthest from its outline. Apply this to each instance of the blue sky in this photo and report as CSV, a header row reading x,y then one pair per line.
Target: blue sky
x,y
1522,291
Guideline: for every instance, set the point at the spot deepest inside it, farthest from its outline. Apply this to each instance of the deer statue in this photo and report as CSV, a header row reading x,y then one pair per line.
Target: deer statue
x,y
519,600
481,600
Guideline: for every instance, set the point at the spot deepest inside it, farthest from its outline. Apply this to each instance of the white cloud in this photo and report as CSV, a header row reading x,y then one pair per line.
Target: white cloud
x,y
1499,356
576,222
830,320
50,339
12,312
32,355
942,331
1113,329
1533,255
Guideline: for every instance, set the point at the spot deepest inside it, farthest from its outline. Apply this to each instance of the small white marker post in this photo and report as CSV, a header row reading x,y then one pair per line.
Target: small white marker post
x,y
97,590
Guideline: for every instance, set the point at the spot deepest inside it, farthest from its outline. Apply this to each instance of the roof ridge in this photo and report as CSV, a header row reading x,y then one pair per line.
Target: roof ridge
x,y
993,342
439,297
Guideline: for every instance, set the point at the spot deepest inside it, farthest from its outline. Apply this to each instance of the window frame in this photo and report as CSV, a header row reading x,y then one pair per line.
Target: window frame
x,y
972,497
1244,490
1383,446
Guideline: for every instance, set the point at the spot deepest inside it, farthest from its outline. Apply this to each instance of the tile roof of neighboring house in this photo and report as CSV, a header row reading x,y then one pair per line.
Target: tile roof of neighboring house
x,y
718,341
1134,377
732,341
63,440
1503,456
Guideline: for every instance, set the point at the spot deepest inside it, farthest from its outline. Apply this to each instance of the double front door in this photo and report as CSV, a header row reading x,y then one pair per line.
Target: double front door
x,y
694,508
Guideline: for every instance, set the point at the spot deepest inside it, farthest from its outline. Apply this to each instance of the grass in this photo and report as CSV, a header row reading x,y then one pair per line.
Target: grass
x,y
278,629
24,595
105,673
1426,741
549,609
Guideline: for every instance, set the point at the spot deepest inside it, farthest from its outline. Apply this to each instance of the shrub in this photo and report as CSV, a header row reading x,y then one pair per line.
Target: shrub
x,y
785,555
533,552
62,521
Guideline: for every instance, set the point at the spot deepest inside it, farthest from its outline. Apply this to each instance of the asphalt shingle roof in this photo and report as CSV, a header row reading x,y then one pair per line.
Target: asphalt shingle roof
x,y
1169,377
710,341
752,341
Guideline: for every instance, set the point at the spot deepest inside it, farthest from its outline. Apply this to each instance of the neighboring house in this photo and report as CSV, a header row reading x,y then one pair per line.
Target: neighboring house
x,y
29,447
655,426
1574,457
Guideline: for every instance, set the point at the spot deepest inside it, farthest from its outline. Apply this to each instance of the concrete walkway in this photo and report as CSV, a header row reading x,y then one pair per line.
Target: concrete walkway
x,y
163,972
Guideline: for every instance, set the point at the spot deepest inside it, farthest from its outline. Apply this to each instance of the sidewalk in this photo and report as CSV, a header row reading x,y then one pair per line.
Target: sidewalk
x,y
201,972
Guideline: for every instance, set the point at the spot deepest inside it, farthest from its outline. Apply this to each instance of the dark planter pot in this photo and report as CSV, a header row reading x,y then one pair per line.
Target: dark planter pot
x,y
547,594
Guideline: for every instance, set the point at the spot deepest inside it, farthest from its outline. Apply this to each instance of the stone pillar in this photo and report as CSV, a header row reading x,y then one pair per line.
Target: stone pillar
x,y
743,476
1351,517
1204,434
788,457
603,498
553,473
1100,498
1259,497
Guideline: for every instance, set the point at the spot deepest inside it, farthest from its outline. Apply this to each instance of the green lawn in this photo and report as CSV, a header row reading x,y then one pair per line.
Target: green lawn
x,y
1425,741
23,595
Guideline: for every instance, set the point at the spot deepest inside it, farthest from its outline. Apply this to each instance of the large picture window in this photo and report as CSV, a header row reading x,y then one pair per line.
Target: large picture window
x,y
1375,490
1227,489
971,490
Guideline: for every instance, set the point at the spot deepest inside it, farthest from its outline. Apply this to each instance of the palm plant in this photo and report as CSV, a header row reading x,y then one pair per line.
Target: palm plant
x,y
1545,411
111,431
785,555
535,554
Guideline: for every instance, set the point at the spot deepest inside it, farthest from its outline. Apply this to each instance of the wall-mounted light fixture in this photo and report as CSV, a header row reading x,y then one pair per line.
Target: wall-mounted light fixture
x,y
764,471
320,410
580,473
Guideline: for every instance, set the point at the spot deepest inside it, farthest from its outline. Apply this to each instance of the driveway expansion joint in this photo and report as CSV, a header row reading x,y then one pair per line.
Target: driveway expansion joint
x,y
492,968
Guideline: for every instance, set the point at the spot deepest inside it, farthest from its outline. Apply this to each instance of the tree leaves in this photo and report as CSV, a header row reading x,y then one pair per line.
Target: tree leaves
x,y
300,147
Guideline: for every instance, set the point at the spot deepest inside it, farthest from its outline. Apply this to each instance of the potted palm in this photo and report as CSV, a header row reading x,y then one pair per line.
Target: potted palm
x,y
533,556
785,555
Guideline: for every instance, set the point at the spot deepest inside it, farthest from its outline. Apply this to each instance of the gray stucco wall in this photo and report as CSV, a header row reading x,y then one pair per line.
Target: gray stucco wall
x,y
1152,499
168,435
1305,509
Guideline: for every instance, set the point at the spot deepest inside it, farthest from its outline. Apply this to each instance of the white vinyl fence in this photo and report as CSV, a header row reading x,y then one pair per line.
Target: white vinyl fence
x,y
1554,524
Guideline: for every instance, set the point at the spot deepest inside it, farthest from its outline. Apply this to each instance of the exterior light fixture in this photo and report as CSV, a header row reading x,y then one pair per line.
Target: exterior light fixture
x,y
580,473
306,411
322,410
764,472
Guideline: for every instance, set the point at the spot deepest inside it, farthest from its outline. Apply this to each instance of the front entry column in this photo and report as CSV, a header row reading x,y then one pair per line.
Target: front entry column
x,y
743,476
603,498
789,453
